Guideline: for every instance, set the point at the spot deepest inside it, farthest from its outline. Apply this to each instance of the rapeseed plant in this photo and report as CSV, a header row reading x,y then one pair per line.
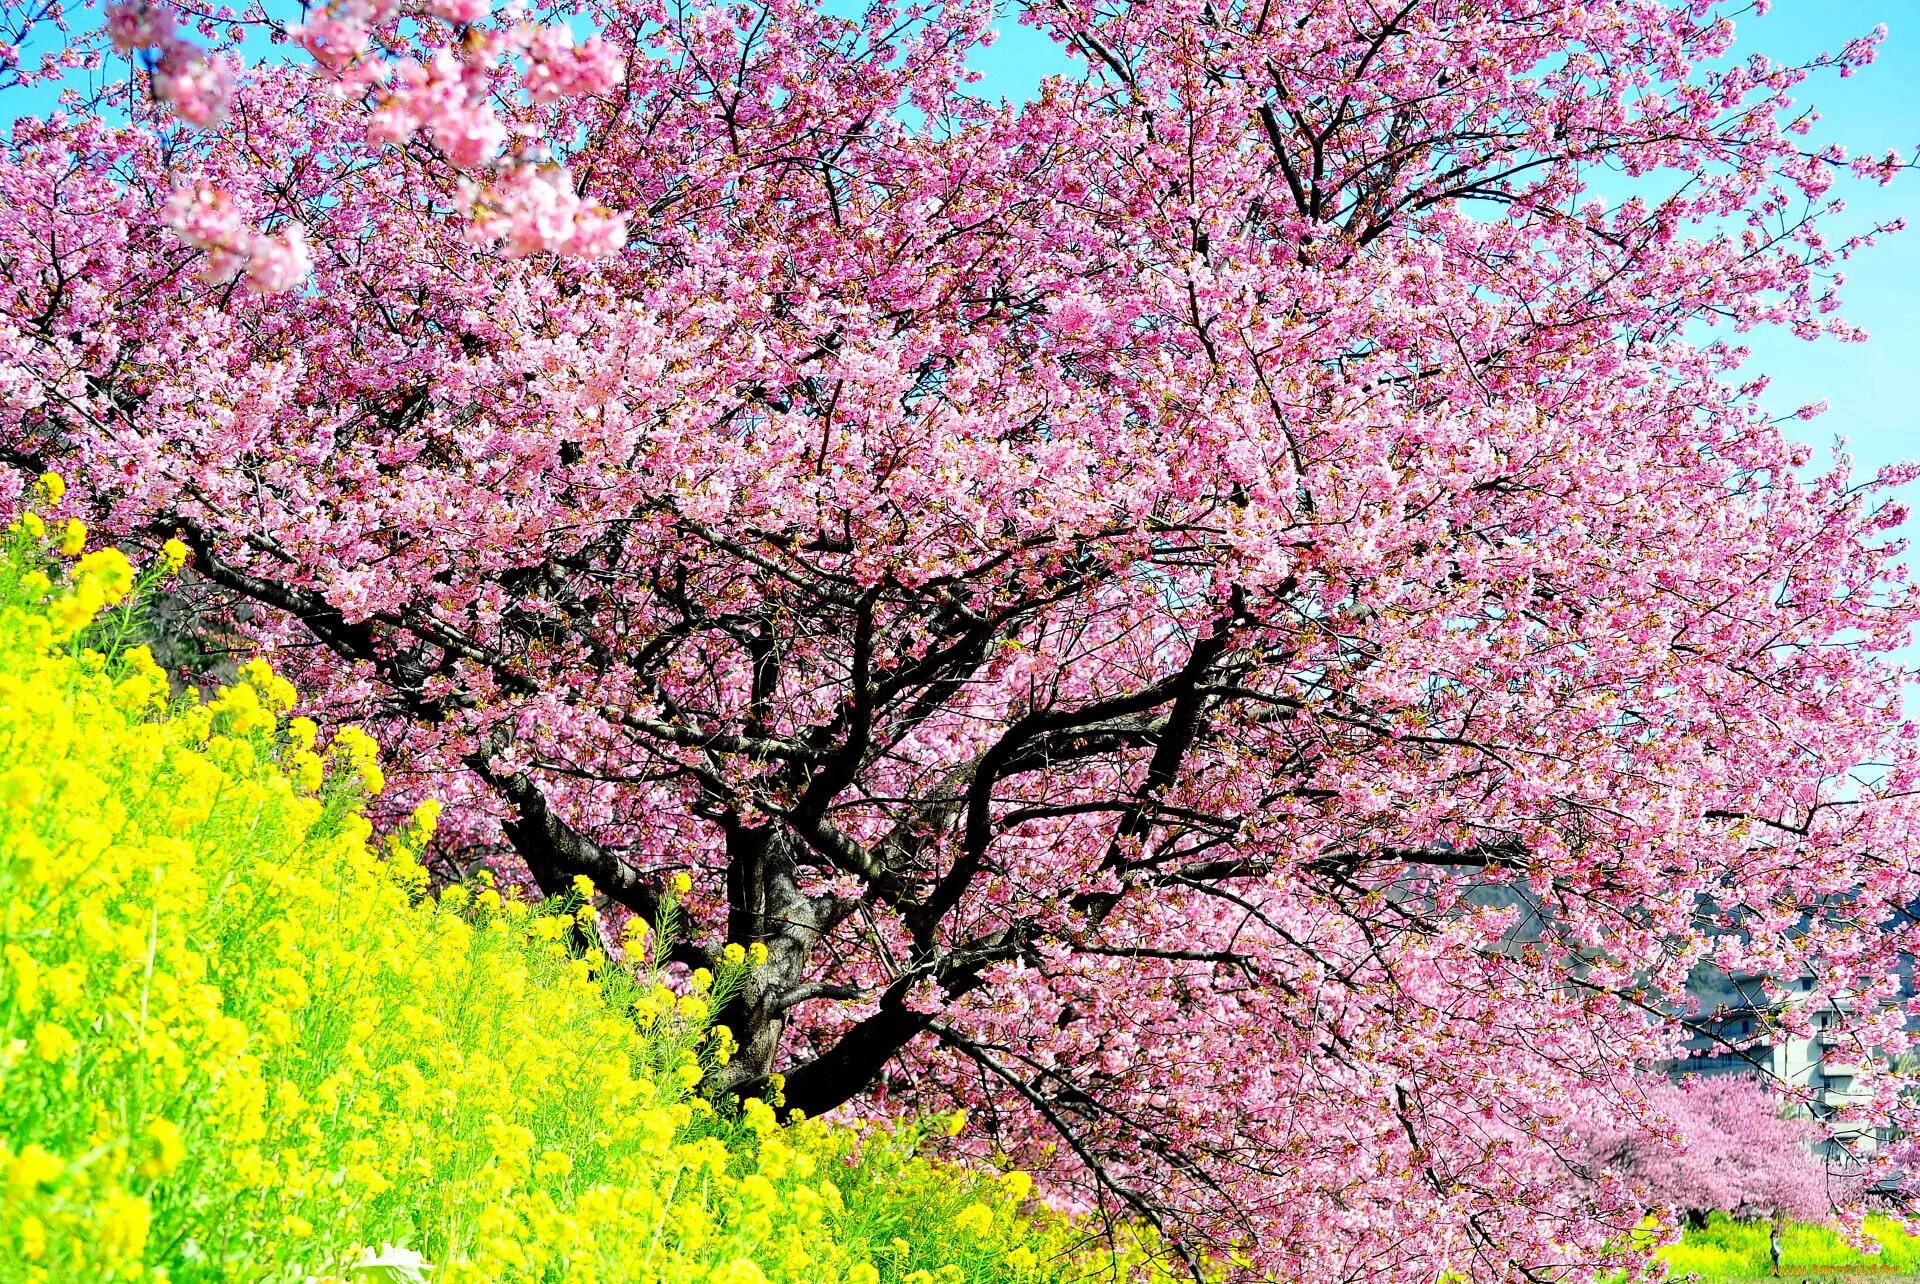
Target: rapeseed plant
x,y
240,1041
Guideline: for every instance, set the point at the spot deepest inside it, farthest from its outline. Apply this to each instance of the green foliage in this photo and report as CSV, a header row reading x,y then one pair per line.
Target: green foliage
x,y
238,1041
1729,1250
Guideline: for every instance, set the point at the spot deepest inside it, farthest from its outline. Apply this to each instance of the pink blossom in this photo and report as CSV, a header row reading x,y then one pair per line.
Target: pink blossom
x,y
139,24
1252,675
280,263
198,85
205,217
460,11
334,37
531,210
557,68
1722,1143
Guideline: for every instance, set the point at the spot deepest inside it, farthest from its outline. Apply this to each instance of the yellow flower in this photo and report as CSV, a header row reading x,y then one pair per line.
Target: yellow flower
x,y
51,487
733,955
169,1150
306,771
106,569
76,610
682,884
583,886
33,1238
33,1167
173,555
32,525
25,970
73,537
956,1123
739,1271
974,1219
124,1222
757,954
301,732
363,753
52,1042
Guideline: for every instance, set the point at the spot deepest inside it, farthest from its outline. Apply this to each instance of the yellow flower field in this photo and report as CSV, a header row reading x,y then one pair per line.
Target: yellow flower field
x,y
239,1041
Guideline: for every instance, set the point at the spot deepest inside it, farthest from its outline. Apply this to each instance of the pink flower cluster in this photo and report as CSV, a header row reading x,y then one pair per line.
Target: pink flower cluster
x,y
558,68
206,218
446,95
196,84
1240,619
449,96
528,209
1720,1143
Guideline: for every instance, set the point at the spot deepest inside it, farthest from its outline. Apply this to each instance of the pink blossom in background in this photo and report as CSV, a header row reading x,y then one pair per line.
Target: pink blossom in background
x,y
1724,1143
195,84
557,68
206,218
139,25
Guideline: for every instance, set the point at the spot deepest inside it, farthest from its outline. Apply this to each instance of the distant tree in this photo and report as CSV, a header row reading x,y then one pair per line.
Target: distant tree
x,y
1723,1143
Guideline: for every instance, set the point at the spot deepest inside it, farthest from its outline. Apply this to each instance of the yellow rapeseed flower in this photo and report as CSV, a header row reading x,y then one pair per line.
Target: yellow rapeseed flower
x,y
234,1009
73,537
169,1149
53,1041
32,1233
33,1167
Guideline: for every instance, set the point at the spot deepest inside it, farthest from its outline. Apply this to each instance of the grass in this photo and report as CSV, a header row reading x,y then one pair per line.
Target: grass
x,y
1726,1251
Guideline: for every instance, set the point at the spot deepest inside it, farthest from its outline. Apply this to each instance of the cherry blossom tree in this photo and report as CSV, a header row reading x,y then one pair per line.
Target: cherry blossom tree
x,y
1724,1142
1240,619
